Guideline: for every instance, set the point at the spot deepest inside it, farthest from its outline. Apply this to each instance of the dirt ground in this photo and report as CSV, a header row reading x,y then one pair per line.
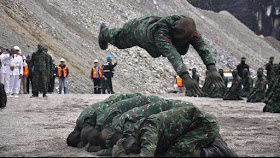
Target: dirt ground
x,y
39,127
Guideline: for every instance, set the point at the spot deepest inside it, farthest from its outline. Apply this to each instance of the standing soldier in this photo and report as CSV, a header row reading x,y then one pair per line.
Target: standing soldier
x,y
258,92
167,36
24,75
240,68
62,73
270,66
247,83
235,90
96,75
108,72
40,65
195,76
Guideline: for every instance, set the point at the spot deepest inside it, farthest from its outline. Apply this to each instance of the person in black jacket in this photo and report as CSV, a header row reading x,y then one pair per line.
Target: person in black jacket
x,y
108,72
240,68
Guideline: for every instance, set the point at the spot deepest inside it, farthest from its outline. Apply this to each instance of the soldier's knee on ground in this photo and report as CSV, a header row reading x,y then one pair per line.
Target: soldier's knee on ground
x,y
73,139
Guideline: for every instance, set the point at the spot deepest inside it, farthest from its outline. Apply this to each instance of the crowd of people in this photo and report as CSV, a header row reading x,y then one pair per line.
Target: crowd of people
x,y
262,90
36,71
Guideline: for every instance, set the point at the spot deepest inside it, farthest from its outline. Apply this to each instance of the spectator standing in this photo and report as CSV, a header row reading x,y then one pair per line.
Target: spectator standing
x,y
24,75
96,75
52,77
240,68
62,73
108,72
29,77
15,72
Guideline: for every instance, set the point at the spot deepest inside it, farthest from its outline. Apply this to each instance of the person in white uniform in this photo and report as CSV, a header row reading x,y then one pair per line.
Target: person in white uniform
x,y
15,72
4,58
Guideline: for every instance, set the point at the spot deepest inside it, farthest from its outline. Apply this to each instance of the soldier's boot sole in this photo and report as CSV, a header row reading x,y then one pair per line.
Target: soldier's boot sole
x,y
102,43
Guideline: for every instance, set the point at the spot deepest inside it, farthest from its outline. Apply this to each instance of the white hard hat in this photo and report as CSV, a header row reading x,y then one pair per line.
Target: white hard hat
x,y
62,59
95,61
17,48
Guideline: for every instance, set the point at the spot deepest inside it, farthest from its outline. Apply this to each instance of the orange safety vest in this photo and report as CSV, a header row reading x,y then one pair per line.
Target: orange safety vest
x,y
25,70
94,75
179,81
59,69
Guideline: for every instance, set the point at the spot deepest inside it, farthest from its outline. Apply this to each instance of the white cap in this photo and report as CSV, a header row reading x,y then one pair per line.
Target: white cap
x,y
62,59
95,61
17,48
24,58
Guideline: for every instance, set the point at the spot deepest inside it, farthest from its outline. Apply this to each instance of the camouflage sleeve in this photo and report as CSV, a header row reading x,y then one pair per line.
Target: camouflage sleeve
x,y
148,139
203,49
164,44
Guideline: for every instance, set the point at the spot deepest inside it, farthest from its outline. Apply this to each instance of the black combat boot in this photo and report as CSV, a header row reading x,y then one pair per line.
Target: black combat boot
x,y
102,43
34,95
45,95
218,149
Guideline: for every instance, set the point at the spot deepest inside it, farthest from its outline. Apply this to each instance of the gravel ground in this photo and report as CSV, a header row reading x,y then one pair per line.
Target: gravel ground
x,y
39,127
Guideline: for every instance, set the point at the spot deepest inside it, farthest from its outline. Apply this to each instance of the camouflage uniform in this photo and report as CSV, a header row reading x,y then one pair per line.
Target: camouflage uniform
x,y
207,88
89,115
235,90
270,67
40,61
176,132
247,83
154,34
273,104
120,107
258,92
125,122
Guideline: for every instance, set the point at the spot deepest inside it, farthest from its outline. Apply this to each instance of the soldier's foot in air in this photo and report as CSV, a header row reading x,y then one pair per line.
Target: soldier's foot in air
x,y
102,43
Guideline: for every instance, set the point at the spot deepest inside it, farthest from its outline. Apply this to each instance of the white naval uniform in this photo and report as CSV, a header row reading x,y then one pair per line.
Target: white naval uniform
x,y
14,75
4,63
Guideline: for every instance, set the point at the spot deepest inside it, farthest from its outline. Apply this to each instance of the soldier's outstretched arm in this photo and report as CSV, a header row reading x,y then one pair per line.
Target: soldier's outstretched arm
x,y
204,52
164,44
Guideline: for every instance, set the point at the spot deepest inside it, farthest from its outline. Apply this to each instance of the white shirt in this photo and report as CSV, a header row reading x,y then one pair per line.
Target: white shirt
x,y
16,61
5,62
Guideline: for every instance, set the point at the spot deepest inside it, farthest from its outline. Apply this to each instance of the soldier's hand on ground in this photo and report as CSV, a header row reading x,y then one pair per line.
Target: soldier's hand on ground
x,y
118,149
214,77
192,88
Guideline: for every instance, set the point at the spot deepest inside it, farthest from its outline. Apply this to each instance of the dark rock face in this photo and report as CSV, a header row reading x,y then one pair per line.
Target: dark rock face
x,y
261,16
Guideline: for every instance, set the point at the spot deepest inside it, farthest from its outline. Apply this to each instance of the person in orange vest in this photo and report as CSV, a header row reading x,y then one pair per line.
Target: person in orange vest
x,y
24,75
62,73
96,75
179,84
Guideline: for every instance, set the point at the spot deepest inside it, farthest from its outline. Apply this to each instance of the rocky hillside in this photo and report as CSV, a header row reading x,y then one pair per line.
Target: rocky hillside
x,y
261,16
69,28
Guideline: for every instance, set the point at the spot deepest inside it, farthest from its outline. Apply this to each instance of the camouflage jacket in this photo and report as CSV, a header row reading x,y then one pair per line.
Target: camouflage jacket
x,y
157,133
154,34
120,107
260,85
236,85
89,115
40,60
125,122
247,83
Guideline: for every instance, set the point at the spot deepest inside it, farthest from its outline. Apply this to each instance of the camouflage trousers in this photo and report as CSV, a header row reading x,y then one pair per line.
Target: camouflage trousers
x,y
39,80
120,37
